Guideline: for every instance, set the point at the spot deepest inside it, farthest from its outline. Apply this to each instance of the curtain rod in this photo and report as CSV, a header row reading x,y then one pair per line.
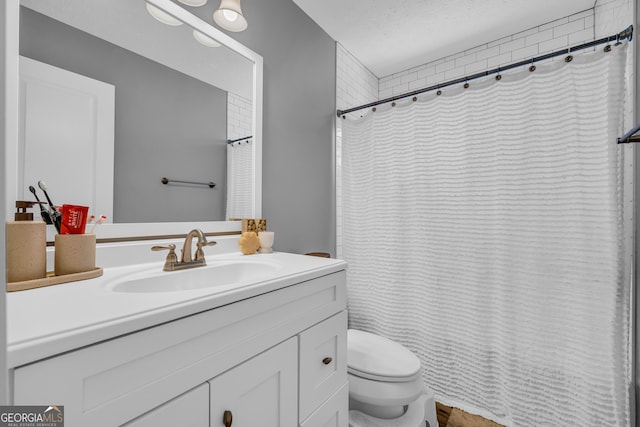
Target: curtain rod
x,y
627,33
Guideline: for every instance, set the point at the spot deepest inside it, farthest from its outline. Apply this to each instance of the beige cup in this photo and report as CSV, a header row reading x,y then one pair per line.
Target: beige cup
x,y
74,253
266,241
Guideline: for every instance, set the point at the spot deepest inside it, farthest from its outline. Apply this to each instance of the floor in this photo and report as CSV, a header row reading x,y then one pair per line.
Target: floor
x,y
454,417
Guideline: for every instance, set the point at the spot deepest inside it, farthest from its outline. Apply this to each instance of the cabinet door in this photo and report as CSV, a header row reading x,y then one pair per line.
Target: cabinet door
x,y
323,362
188,410
260,392
332,413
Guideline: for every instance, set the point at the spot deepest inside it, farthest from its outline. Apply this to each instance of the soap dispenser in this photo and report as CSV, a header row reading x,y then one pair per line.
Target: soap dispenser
x,y
26,246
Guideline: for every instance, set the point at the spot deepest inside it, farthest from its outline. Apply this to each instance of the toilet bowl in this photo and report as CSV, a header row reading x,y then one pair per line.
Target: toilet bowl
x,y
385,384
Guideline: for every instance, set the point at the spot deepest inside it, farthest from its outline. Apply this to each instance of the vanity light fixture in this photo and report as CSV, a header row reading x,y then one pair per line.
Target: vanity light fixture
x,y
204,39
229,16
194,3
162,16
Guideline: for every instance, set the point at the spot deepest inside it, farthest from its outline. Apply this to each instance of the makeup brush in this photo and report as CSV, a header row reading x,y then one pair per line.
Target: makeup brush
x,y
56,216
44,213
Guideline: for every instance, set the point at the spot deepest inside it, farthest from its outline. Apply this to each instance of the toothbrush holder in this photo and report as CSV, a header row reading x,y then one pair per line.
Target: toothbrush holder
x,y
266,241
74,253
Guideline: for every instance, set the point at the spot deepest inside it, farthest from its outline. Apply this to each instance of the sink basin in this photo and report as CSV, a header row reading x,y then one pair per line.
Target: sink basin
x,y
214,275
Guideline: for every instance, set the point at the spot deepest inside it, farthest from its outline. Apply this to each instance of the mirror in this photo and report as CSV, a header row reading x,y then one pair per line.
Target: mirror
x,y
184,114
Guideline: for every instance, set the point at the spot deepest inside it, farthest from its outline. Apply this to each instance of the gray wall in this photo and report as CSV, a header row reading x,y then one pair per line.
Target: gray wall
x,y
299,110
153,137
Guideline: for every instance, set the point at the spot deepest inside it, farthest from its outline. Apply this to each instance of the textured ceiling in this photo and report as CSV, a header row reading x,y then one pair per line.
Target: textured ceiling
x,y
389,36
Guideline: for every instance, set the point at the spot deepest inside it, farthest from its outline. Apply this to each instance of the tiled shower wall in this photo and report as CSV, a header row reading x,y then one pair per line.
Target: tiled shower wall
x,y
355,85
559,34
239,116
612,16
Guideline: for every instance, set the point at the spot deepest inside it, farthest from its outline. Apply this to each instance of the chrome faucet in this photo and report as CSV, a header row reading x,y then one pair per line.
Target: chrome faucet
x,y
172,263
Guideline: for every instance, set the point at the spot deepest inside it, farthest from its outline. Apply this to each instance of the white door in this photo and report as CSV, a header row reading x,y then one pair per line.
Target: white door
x,y
66,137
260,392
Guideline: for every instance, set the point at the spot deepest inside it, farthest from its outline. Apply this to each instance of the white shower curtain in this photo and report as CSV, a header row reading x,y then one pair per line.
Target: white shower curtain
x,y
240,190
485,229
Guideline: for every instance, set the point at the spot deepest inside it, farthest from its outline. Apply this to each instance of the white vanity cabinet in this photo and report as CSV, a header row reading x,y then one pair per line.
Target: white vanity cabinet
x,y
276,359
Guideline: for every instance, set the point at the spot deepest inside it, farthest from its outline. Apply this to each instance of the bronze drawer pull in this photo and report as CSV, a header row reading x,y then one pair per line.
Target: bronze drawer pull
x,y
327,360
227,418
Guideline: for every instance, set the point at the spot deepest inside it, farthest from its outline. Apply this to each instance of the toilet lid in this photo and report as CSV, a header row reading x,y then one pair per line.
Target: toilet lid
x,y
374,357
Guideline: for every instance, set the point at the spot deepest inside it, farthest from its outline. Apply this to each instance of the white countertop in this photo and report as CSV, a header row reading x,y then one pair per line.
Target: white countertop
x,y
48,321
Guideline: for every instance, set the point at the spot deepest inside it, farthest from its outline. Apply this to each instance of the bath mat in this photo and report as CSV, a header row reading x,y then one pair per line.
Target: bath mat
x,y
454,417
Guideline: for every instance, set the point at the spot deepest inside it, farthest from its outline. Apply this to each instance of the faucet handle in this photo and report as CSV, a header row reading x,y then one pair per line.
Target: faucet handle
x,y
172,258
170,247
200,244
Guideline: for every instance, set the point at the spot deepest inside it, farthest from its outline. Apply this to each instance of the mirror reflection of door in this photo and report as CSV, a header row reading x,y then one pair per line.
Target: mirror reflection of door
x,y
67,133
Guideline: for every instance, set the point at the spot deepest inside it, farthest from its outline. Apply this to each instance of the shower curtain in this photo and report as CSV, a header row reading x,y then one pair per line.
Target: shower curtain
x,y
487,229
240,180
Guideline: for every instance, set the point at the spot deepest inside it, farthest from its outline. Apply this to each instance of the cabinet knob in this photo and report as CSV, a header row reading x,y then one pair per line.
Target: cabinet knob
x,y
327,360
227,418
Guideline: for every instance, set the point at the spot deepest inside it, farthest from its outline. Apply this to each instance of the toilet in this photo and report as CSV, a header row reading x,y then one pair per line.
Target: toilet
x,y
385,384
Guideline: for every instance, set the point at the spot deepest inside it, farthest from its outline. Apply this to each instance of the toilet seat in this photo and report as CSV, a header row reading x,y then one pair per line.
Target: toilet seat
x,y
380,359
381,372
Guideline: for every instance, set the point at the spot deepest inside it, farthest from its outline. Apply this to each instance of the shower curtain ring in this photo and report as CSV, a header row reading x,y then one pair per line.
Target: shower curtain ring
x,y
498,76
532,68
